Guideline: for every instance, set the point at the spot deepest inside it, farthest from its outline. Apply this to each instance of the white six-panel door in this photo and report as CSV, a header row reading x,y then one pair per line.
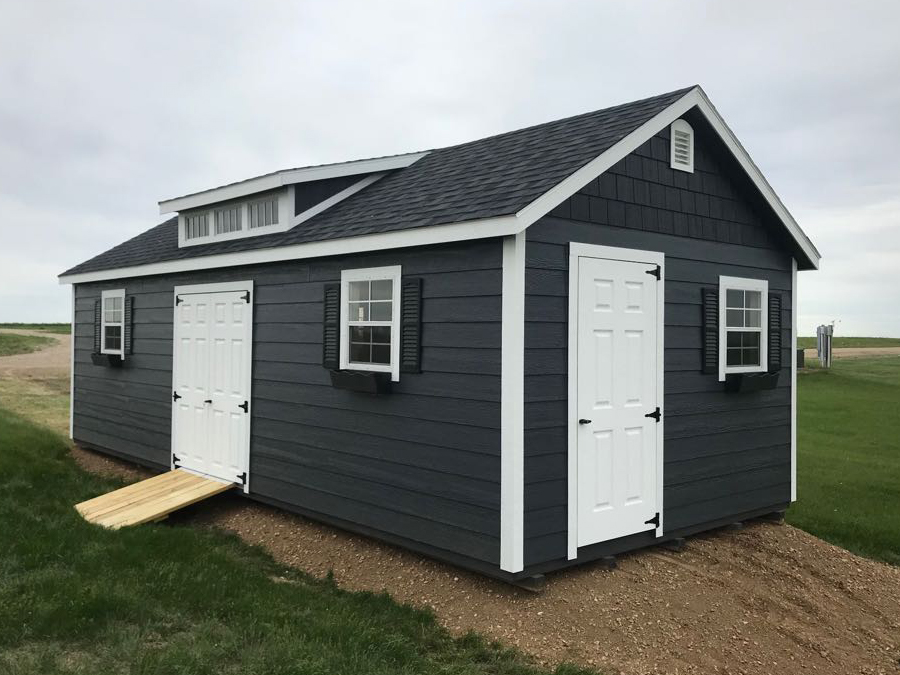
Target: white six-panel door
x,y
211,377
618,398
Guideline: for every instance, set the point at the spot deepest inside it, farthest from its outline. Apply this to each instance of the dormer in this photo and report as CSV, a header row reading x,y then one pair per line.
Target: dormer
x,y
275,202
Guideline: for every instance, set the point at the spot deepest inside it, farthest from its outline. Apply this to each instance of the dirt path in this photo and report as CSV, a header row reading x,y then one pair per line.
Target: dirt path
x,y
852,352
765,599
52,361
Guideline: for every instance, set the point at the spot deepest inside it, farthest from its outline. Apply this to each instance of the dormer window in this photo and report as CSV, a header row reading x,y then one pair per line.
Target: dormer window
x,y
262,214
682,146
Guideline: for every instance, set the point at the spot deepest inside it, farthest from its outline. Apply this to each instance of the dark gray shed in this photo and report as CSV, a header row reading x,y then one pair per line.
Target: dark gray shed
x,y
515,354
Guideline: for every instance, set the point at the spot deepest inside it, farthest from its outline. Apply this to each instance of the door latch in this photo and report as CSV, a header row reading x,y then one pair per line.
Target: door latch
x,y
583,421
209,400
656,414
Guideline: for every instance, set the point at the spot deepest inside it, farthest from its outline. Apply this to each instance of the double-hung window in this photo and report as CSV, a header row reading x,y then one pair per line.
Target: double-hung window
x,y
112,327
370,320
743,319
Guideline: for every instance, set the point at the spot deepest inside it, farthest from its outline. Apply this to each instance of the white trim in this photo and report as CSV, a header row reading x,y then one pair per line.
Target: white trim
x,y
224,287
334,199
72,369
743,284
579,250
287,177
512,406
391,273
684,127
794,317
117,293
489,227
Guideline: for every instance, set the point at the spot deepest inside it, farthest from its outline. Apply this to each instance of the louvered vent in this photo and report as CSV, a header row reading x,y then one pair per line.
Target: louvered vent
x,y
682,141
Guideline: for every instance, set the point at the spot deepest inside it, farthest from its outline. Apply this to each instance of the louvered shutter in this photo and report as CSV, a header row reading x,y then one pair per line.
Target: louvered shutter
x,y
710,328
775,337
127,314
411,325
331,327
98,327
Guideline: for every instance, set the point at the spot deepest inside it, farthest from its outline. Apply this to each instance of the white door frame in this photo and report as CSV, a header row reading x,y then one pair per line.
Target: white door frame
x,y
578,250
225,287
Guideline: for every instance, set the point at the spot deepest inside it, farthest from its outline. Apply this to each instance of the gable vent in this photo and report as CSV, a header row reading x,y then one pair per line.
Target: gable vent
x,y
682,142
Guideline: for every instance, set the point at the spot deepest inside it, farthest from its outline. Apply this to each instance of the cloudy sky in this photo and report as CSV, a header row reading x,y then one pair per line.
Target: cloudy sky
x,y
108,107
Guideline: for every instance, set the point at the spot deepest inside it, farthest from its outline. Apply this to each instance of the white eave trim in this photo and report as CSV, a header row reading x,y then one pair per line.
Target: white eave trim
x,y
287,177
477,229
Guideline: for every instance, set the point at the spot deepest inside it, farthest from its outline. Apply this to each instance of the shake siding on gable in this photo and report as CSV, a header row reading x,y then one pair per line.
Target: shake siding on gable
x,y
726,454
420,465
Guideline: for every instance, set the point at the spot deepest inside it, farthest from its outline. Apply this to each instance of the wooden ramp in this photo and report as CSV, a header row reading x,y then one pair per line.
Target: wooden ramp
x,y
149,500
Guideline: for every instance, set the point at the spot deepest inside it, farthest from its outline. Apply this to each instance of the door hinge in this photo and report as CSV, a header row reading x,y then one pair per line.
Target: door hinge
x,y
246,297
177,300
175,396
175,460
656,272
245,406
656,414
242,478
653,521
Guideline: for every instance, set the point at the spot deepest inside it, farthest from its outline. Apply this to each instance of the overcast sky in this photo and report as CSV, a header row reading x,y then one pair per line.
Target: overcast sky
x,y
108,107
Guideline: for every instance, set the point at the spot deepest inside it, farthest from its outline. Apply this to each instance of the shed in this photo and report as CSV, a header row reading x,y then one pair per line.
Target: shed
x,y
516,354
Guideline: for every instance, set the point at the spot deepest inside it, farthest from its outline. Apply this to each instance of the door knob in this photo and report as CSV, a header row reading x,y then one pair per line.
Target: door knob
x,y
583,421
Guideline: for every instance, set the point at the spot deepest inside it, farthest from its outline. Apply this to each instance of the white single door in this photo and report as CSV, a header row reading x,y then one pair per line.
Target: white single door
x,y
618,403
211,421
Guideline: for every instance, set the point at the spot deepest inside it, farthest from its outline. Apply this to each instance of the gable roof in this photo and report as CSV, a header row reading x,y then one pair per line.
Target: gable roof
x,y
491,187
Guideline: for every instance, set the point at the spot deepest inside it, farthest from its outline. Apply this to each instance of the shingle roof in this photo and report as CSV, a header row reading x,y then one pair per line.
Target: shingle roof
x,y
490,177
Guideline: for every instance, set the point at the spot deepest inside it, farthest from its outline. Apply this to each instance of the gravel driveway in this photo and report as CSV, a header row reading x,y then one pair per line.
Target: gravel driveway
x,y
765,599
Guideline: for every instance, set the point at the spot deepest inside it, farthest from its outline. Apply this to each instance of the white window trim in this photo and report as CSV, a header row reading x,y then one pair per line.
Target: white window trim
x,y
743,284
118,293
682,126
285,216
391,273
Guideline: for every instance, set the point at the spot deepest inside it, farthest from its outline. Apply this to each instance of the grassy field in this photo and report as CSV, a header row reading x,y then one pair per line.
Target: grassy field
x,y
59,328
75,598
849,456
22,344
810,342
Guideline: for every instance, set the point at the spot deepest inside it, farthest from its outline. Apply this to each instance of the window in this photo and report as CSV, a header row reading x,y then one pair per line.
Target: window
x,y
228,219
113,322
370,320
742,325
682,146
196,225
263,213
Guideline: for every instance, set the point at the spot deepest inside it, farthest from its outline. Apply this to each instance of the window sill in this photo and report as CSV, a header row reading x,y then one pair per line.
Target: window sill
x,y
365,382
108,360
745,382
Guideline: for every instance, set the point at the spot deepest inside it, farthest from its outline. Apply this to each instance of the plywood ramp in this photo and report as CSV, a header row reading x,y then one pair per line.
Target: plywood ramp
x,y
149,500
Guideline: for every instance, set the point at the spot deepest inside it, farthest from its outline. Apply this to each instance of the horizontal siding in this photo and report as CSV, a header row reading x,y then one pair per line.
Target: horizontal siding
x,y
728,452
421,463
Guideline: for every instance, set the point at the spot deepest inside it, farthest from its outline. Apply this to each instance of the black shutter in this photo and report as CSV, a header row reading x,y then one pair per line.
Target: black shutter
x,y
98,337
331,327
127,315
411,325
774,333
710,327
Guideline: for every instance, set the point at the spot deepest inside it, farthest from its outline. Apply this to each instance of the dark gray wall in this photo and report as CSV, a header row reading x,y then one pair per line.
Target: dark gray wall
x,y
421,464
725,454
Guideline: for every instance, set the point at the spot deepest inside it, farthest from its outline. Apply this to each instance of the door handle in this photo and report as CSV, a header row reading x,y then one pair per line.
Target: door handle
x,y
583,421
209,400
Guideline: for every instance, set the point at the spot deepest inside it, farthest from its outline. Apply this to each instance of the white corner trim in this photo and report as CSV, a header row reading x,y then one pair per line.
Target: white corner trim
x,y
743,284
578,250
393,273
72,370
287,177
512,406
794,316
334,199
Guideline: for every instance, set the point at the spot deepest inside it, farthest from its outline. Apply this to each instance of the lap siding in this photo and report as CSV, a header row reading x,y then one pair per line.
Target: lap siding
x,y
420,464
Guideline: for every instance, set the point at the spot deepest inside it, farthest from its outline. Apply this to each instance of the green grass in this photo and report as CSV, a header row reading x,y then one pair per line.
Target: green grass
x,y
75,598
11,343
849,455
60,328
810,342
